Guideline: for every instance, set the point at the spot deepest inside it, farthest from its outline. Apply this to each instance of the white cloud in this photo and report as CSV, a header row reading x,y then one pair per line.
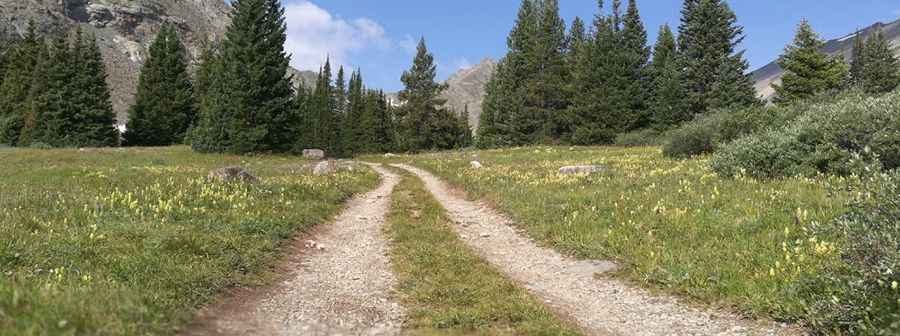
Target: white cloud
x,y
462,64
314,34
409,44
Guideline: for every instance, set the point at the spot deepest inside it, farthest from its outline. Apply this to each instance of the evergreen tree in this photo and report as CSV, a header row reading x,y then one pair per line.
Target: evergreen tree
x,y
713,75
164,106
335,142
50,97
492,132
382,123
355,128
252,95
96,118
545,85
857,59
808,71
635,80
321,109
417,122
21,60
668,107
880,70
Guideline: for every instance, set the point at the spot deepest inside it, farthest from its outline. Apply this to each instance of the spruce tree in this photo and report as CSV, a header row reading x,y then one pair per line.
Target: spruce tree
x,y
335,133
667,105
92,114
545,84
422,104
383,123
50,97
322,109
880,70
252,93
164,106
633,43
857,59
21,60
713,75
492,132
808,71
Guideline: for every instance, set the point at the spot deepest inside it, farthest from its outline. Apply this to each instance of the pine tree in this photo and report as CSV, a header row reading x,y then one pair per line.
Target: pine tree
x,y
93,115
164,106
635,80
335,142
857,59
808,71
545,84
322,109
668,107
880,71
713,75
51,99
252,95
21,60
417,121
383,123
492,130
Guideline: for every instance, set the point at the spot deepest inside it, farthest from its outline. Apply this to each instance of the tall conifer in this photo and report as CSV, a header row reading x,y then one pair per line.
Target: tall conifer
x,y
880,67
667,105
417,122
164,106
21,61
808,71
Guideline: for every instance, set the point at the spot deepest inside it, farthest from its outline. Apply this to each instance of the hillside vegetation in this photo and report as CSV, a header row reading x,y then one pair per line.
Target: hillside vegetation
x,y
128,242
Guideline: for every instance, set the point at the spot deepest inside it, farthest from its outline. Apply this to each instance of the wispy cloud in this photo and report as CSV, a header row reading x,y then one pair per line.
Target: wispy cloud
x,y
314,34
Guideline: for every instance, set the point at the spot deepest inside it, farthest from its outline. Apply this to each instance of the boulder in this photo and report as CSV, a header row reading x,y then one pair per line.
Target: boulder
x,y
476,165
232,174
389,155
331,167
580,170
316,154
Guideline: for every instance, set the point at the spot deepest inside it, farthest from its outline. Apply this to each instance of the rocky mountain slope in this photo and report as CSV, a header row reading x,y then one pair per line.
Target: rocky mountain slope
x,y
771,73
465,89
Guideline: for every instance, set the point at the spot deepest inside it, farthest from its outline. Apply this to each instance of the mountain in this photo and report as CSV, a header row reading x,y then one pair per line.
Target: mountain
x,y
771,73
465,88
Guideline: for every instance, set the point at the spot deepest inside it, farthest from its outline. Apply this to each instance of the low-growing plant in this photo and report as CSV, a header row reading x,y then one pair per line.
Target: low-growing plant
x,y
823,139
642,137
869,299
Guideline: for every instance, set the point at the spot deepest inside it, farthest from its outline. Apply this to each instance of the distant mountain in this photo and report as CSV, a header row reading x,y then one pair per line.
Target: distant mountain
x,y
771,73
465,89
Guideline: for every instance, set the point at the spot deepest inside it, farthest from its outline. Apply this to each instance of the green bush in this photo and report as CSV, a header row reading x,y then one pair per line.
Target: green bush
x,y
643,137
823,139
869,299
707,132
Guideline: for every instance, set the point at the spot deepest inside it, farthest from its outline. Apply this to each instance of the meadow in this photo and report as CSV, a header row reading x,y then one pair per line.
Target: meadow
x,y
133,241
673,225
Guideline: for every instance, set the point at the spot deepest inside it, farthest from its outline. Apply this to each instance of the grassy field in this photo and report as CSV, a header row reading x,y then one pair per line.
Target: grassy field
x,y
447,289
132,241
673,225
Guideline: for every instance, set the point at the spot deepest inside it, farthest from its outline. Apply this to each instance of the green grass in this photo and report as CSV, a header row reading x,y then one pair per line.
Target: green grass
x,y
446,288
133,241
672,225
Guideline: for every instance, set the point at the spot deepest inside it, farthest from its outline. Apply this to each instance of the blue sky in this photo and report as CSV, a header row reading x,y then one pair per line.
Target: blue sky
x,y
379,36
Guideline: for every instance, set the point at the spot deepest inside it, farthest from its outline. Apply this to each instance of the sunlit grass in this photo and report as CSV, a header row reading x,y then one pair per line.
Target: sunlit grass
x,y
673,225
132,241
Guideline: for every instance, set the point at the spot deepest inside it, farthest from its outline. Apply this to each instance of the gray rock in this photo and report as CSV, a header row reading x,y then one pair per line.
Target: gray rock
x,y
316,154
331,166
476,165
570,170
232,174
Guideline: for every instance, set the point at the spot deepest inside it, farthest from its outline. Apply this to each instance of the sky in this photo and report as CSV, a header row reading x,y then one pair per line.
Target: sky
x,y
379,36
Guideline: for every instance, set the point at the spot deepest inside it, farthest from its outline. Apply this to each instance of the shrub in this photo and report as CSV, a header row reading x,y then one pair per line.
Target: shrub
x,y
821,140
869,302
643,137
707,132
40,145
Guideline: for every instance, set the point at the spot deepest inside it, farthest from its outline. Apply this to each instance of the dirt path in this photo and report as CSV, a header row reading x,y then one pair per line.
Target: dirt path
x,y
338,284
600,306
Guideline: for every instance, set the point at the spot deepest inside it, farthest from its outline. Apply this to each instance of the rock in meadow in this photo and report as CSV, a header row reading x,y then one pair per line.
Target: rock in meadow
x,y
232,174
476,165
571,170
315,154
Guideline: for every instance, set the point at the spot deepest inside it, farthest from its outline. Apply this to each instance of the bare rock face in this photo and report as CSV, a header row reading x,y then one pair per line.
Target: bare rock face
x,y
574,170
232,174
315,154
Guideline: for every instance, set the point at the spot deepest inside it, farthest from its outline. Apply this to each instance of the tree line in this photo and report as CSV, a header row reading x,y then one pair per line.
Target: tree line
x,y
591,82
245,103
53,92
238,100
